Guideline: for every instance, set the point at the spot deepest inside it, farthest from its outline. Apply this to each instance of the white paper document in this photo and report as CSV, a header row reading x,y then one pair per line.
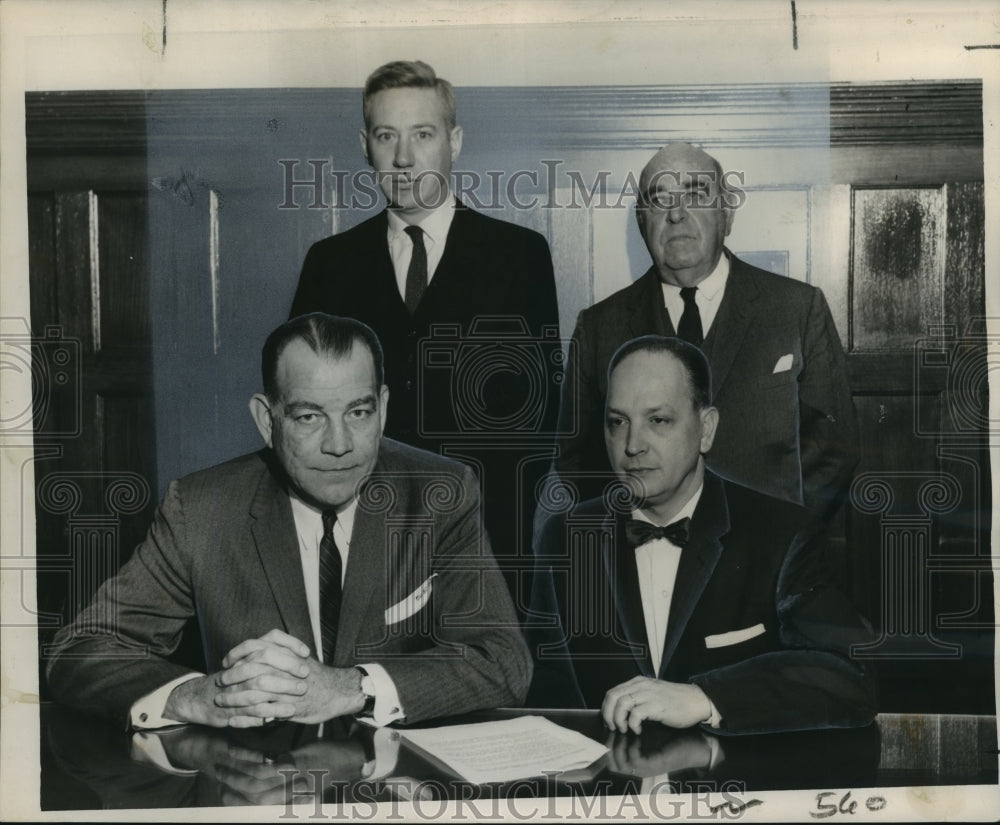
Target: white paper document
x,y
508,749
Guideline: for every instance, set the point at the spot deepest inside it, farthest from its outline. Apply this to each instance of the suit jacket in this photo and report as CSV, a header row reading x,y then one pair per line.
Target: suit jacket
x,y
752,569
489,268
792,434
223,548
450,385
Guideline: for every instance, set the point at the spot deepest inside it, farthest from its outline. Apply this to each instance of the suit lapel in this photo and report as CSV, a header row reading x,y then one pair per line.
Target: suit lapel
x,y
698,560
648,315
366,566
277,544
382,282
620,567
735,317
456,271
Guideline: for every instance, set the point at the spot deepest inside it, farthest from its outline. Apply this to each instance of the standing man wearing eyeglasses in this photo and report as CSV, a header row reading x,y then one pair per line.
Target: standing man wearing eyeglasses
x,y
787,422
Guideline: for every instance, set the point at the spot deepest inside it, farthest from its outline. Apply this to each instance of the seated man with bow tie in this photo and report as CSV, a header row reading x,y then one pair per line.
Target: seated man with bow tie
x,y
724,616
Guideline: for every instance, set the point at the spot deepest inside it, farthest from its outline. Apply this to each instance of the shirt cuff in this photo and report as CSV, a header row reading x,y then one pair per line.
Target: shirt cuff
x,y
714,718
387,708
147,712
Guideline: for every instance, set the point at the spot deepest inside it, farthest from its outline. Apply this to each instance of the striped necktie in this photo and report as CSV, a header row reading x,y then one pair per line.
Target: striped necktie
x,y
330,571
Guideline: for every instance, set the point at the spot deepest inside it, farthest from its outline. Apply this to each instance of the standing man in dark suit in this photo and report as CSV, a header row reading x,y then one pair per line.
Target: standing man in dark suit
x,y
464,304
711,604
334,573
787,422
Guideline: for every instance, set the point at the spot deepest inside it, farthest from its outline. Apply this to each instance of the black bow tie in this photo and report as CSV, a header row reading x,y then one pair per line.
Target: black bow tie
x,y
639,532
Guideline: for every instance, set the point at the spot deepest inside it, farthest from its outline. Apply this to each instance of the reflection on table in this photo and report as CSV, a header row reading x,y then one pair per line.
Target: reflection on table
x,y
87,763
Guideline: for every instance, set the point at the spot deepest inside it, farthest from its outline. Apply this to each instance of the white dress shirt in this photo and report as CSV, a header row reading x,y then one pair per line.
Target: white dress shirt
x,y
656,562
708,297
435,225
147,712
309,526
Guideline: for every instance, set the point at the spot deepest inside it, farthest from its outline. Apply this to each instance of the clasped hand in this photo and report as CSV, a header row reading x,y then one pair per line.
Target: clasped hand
x,y
272,677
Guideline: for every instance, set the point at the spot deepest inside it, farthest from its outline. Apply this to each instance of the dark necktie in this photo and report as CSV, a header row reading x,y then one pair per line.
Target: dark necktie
x,y
330,567
416,274
640,532
690,326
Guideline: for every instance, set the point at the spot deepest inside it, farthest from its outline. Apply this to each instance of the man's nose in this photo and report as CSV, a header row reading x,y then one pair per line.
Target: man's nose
x,y
634,442
337,439
677,212
404,153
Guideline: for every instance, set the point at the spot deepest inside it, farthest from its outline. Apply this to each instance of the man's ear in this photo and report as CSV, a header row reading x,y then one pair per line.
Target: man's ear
x,y
709,423
260,411
364,146
383,406
640,218
730,214
455,139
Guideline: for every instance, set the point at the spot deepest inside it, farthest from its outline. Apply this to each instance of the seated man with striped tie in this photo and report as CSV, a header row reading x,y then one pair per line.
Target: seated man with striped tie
x,y
681,598
327,572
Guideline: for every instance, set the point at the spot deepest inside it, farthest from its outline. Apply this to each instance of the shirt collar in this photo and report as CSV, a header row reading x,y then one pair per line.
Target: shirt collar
x,y
715,283
712,286
435,223
311,517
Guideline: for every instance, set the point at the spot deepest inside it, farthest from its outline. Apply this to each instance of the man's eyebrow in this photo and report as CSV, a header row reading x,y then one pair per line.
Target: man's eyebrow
x,y
659,408
700,182
296,404
364,401
647,411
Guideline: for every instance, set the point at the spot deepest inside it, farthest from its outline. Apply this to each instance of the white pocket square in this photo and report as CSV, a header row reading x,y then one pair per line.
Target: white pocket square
x,y
784,364
734,637
406,607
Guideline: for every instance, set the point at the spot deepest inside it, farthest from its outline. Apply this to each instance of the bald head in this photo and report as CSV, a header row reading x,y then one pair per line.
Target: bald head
x,y
682,213
674,160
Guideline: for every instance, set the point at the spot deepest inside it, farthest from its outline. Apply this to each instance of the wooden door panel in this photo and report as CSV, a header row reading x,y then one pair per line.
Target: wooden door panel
x,y
919,517
897,266
123,266
88,272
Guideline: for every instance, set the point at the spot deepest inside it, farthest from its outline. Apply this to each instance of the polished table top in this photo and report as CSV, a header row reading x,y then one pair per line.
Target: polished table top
x,y
88,763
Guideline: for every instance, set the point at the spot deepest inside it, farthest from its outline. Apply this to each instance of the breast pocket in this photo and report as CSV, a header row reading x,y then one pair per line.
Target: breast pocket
x,y
734,637
738,644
